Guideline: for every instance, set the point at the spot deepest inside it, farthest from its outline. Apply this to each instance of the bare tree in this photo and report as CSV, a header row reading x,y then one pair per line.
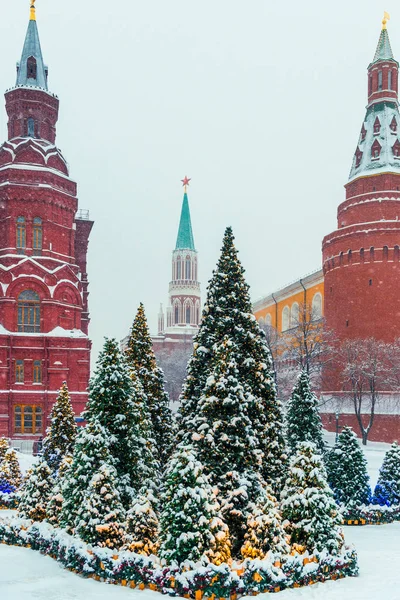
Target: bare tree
x,y
365,366
173,363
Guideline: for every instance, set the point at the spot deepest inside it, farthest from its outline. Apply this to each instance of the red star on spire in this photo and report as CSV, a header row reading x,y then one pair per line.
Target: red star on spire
x,y
185,181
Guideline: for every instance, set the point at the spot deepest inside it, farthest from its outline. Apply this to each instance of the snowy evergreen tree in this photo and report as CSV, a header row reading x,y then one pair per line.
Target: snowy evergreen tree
x,y
11,460
228,314
387,490
6,480
3,448
188,529
347,471
142,361
117,404
265,531
56,499
303,421
308,505
91,451
36,491
102,517
223,435
143,529
61,435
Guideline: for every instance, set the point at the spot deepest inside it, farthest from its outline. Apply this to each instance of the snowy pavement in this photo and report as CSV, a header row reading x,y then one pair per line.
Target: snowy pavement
x,y
27,575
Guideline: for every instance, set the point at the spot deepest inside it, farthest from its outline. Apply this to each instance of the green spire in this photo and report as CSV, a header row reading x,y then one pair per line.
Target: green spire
x,y
384,49
185,238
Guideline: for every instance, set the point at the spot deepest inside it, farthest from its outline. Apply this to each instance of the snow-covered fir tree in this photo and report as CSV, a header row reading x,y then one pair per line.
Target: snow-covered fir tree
x,y
303,421
36,491
102,517
142,361
11,459
228,314
56,499
6,480
265,532
117,404
190,524
3,447
142,524
91,451
61,435
347,471
308,507
387,490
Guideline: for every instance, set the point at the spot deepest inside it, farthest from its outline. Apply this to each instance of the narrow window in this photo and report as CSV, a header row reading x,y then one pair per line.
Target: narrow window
x,y
31,66
363,133
370,282
362,255
188,268
29,312
377,125
396,149
176,314
37,235
285,318
390,80
37,371
178,268
370,86
188,314
19,371
385,253
316,310
379,80
21,235
31,127
358,157
347,323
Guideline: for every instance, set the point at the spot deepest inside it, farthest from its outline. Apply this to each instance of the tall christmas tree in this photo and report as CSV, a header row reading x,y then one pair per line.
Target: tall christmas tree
x,y
387,490
102,517
61,435
265,532
114,402
3,447
308,504
347,471
92,450
228,314
303,421
142,361
188,528
56,499
36,492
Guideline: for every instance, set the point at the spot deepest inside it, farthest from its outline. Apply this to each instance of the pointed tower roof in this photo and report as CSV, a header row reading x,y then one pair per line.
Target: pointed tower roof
x,y
383,49
185,239
32,73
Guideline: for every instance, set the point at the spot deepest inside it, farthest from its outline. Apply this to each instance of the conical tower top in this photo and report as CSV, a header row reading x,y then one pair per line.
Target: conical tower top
x,y
383,49
185,239
31,70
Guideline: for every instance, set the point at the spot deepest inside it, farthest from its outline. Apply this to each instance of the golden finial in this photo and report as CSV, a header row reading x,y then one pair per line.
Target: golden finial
x,y
386,18
33,10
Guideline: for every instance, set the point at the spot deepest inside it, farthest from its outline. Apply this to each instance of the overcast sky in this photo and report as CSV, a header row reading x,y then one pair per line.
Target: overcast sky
x,y
259,102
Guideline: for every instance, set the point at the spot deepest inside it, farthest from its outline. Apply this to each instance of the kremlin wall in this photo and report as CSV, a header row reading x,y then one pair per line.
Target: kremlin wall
x,y
44,313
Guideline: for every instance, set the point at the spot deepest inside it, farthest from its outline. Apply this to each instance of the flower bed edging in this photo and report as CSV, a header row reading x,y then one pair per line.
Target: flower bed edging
x,y
371,515
126,568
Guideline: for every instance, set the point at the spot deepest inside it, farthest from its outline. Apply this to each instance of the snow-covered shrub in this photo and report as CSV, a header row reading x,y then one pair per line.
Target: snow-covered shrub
x,y
36,492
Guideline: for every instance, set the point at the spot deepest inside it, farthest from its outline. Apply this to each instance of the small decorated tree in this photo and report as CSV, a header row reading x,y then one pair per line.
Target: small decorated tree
x,y
61,435
303,421
101,520
387,490
188,511
308,506
12,460
55,503
3,447
6,479
36,492
142,362
265,532
143,529
347,472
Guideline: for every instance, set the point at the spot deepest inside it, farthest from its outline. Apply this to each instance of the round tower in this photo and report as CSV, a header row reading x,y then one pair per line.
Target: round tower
x,y
361,258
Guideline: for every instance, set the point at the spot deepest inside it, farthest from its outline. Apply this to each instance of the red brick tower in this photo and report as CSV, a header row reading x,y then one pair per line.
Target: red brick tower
x,y
44,314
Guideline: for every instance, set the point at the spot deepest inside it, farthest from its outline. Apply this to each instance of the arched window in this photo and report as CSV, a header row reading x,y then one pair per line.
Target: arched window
x,y
31,66
21,235
396,252
31,127
362,255
390,80
197,314
178,268
379,80
37,234
187,315
268,320
385,252
316,307
294,315
188,268
285,318
29,312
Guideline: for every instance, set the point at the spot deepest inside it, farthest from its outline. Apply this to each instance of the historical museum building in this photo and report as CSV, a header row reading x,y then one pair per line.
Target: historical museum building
x,y
360,259
44,314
